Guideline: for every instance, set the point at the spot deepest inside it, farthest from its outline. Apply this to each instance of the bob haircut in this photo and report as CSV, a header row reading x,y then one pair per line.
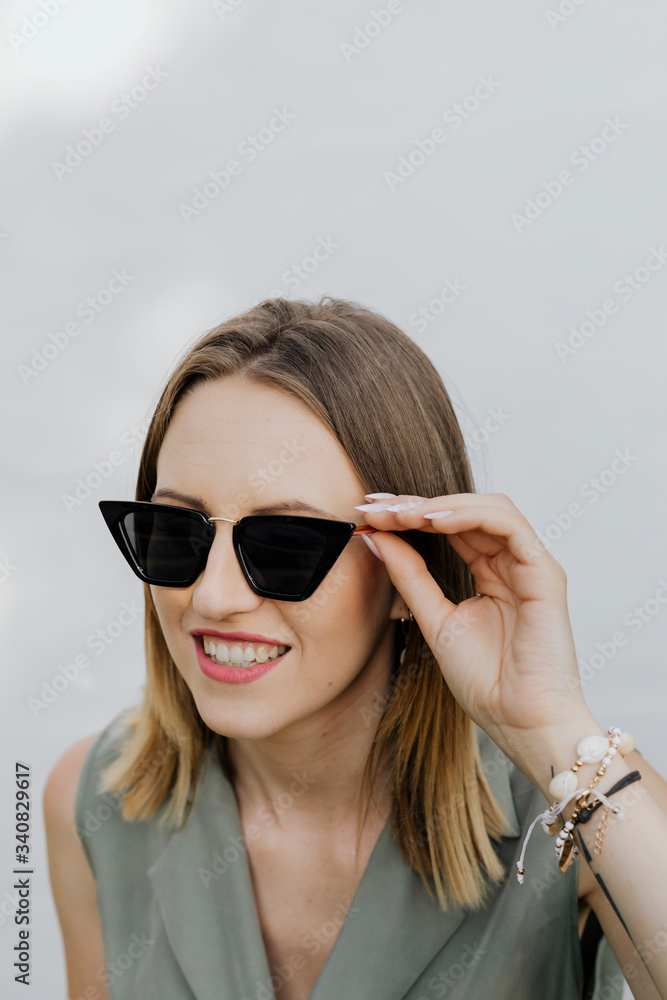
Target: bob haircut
x,y
385,402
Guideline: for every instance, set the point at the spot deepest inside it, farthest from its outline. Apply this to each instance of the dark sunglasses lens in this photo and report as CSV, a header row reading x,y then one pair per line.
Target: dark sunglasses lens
x,y
282,558
167,546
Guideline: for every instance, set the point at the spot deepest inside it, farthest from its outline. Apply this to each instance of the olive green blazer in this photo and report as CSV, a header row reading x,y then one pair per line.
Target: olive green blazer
x,y
180,922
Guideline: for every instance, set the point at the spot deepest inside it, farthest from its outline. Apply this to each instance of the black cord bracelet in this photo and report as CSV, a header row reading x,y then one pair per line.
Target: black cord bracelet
x,y
626,780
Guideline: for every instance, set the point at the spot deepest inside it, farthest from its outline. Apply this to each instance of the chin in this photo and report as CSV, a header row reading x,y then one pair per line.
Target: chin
x,y
249,723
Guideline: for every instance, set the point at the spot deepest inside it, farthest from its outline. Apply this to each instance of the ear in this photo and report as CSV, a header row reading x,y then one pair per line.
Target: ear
x,y
399,608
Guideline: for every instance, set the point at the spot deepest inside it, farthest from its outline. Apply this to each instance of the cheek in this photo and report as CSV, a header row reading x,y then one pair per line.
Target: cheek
x,y
369,583
169,606
348,605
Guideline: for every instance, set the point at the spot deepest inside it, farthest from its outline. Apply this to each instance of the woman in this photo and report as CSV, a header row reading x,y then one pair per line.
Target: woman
x,y
356,700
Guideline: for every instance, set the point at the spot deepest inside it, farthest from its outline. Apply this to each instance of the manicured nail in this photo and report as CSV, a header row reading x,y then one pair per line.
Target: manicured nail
x,y
372,546
406,506
380,496
373,506
440,513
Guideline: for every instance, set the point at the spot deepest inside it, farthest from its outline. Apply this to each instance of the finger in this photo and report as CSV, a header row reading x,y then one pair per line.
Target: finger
x,y
504,523
391,507
386,501
381,514
385,504
507,528
461,547
478,542
414,583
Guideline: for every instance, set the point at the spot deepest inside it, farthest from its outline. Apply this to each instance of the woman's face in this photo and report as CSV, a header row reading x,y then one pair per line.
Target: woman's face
x,y
240,446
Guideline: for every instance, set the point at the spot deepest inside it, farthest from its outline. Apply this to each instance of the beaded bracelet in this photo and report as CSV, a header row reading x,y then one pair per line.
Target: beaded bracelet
x,y
602,829
590,750
627,779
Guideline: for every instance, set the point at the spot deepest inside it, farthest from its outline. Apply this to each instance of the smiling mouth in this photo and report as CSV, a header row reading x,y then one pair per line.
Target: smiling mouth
x,y
239,654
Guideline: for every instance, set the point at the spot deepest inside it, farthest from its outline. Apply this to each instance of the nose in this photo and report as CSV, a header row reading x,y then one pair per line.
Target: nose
x,y
222,589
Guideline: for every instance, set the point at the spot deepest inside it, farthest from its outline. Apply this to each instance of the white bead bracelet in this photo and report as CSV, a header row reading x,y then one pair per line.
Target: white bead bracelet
x,y
563,788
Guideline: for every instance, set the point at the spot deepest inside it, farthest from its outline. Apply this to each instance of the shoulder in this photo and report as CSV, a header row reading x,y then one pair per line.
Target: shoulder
x,y
62,784
66,771
73,778
72,880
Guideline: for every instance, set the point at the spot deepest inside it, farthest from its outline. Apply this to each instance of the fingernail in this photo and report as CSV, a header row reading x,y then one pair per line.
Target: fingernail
x,y
373,506
380,496
440,513
406,506
373,547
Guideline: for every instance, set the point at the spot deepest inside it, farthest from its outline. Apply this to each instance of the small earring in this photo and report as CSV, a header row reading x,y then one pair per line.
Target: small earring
x,y
406,628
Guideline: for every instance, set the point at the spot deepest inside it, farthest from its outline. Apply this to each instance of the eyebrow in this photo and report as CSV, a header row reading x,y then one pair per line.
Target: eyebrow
x,y
292,505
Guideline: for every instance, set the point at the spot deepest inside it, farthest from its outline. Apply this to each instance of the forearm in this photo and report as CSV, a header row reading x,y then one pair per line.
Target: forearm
x,y
632,866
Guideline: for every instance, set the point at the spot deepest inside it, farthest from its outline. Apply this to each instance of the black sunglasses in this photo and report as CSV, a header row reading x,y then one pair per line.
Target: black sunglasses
x,y
283,556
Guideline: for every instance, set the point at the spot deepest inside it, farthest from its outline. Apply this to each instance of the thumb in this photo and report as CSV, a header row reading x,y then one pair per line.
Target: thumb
x,y
412,580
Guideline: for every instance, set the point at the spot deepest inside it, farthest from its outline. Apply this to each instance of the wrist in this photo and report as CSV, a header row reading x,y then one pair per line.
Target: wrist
x,y
553,749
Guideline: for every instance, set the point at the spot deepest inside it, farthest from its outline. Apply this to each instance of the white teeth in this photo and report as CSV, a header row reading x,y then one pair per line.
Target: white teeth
x,y
237,656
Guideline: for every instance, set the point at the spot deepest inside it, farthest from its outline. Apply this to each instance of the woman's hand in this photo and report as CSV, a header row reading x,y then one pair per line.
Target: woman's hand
x,y
508,654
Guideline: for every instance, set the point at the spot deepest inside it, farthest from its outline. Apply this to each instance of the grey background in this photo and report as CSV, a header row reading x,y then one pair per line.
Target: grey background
x,y
324,178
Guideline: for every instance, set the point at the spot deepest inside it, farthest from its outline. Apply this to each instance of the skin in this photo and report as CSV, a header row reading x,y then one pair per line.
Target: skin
x,y
306,714
525,692
306,711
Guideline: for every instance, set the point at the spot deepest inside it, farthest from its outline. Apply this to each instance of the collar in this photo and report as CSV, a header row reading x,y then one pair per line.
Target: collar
x,y
204,891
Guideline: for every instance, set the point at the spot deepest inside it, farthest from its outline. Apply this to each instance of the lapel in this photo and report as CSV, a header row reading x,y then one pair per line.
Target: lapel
x,y
204,891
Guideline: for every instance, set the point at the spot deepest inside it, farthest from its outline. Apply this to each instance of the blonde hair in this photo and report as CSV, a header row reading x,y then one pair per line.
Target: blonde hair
x,y
385,402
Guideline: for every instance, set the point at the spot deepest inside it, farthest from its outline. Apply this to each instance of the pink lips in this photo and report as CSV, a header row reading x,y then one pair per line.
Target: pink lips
x,y
233,675
243,636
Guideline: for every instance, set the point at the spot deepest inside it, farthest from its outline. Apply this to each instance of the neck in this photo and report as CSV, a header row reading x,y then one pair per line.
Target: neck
x,y
310,773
